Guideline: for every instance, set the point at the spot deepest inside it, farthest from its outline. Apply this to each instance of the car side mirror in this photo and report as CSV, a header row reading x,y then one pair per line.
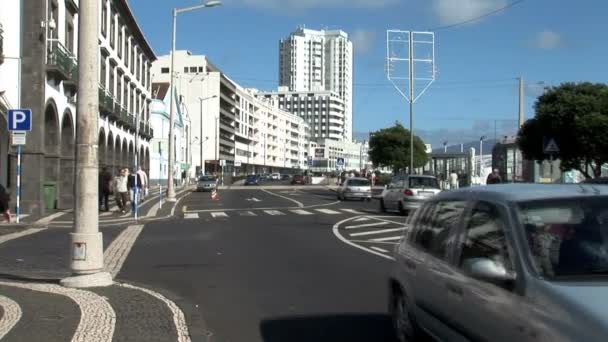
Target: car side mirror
x,y
488,270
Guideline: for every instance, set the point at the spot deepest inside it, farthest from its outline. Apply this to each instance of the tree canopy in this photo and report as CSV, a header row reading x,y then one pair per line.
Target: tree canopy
x,y
575,115
390,147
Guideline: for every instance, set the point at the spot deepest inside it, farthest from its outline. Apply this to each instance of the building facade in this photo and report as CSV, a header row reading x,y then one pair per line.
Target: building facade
x,y
326,152
312,60
323,111
45,79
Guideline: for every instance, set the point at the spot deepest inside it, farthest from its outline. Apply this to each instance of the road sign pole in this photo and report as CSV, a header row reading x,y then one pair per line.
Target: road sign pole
x,y
18,209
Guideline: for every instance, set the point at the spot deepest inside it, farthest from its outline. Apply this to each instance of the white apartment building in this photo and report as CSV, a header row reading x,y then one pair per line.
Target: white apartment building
x,y
229,123
42,74
324,111
312,60
325,153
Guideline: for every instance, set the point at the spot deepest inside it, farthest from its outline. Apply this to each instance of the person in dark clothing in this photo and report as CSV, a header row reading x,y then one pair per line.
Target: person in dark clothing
x,y
4,203
494,177
105,188
131,185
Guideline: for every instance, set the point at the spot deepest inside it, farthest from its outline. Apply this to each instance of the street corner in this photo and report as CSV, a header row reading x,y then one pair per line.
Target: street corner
x,y
373,234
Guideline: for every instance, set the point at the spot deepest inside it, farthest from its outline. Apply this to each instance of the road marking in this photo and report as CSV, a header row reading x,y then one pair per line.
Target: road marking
x,y
362,219
184,209
219,214
284,197
190,216
116,254
381,231
273,212
97,319
328,211
390,238
353,211
247,213
12,315
12,236
335,230
381,250
104,214
301,212
253,199
376,242
375,224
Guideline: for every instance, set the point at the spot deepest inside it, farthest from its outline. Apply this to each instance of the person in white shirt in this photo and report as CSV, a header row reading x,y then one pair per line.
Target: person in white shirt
x,y
454,180
144,183
122,190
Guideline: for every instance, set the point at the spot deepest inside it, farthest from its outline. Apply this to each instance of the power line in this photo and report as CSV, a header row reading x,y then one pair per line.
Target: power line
x,y
504,8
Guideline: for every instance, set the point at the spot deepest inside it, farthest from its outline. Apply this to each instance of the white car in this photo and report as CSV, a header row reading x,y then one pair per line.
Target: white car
x,y
275,176
356,187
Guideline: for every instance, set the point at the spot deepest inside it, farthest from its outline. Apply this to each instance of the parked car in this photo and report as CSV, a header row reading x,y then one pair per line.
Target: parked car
x,y
285,177
509,262
298,179
275,176
355,187
252,180
206,183
406,193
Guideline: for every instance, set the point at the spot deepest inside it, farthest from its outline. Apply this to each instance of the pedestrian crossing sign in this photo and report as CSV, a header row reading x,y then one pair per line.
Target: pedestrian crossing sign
x,y
551,146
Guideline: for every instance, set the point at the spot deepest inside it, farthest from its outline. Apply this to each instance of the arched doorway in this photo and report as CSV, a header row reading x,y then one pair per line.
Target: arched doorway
x,y
118,154
110,153
147,162
102,149
51,155
67,163
125,154
131,156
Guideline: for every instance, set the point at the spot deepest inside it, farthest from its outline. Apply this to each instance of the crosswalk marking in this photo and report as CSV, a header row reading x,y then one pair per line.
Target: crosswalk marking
x,y
328,211
189,216
273,212
377,232
378,249
375,224
352,211
247,213
391,238
301,212
219,214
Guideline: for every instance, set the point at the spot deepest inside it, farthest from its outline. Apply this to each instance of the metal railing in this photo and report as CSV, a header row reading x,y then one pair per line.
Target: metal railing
x,y
61,58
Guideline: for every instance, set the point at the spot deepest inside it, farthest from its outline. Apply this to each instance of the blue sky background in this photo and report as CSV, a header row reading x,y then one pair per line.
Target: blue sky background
x,y
543,40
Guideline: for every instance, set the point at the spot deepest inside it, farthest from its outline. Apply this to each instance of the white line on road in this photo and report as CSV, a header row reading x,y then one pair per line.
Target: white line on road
x,y
375,224
301,212
376,242
336,232
247,213
362,219
284,197
353,211
381,231
381,250
219,214
273,212
328,211
12,315
390,238
116,254
104,214
12,236
190,216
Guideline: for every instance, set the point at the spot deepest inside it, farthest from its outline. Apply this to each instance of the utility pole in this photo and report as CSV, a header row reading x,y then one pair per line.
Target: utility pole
x,y
201,139
170,189
411,79
86,243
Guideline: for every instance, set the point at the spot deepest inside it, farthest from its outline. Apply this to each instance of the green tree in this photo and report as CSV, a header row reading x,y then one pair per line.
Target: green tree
x,y
390,147
575,115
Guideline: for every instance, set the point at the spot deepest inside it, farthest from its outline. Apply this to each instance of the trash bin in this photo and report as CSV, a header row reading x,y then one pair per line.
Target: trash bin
x,y
50,195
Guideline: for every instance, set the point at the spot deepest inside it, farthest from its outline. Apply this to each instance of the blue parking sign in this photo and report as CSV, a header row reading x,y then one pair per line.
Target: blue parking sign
x,y
19,119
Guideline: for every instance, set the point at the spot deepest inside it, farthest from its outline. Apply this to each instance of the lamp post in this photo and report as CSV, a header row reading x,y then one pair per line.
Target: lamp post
x,y
481,154
176,11
201,99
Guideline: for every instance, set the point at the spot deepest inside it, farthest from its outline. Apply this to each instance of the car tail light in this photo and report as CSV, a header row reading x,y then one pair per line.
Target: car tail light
x,y
408,192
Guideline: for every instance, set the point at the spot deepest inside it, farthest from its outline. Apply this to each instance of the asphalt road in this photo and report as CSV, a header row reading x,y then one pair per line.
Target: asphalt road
x,y
267,266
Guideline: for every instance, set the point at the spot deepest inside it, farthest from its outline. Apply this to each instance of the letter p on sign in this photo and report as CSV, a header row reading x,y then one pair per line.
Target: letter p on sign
x,y
19,119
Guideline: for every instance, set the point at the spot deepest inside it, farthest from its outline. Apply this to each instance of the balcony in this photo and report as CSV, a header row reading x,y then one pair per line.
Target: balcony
x,y
106,102
60,63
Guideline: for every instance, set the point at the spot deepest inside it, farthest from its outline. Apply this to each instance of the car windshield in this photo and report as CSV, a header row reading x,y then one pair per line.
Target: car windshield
x,y
423,182
207,179
567,237
357,182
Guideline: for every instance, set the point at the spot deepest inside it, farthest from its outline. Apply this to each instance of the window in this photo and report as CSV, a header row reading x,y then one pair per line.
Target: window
x,y
186,70
69,31
193,69
201,69
104,19
119,45
484,237
164,70
126,48
434,224
111,83
112,28
102,71
119,88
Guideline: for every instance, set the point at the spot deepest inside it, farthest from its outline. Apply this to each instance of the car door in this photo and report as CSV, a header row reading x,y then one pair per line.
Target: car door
x,y
435,235
486,310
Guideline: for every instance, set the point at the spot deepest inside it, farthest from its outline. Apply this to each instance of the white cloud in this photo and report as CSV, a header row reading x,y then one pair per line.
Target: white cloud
x,y
547,40
363,40
456,11
313,4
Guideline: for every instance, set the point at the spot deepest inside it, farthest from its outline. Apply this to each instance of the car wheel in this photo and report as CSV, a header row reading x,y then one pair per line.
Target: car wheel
x,y
402,211
382,206
403,322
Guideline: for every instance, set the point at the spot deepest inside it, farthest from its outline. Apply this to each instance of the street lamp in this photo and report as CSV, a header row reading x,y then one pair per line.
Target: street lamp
x,y
176,11
481,153
201,99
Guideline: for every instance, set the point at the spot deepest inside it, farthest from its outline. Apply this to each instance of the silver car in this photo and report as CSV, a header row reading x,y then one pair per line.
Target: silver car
x,y
408,192
525,262
206,183
355,188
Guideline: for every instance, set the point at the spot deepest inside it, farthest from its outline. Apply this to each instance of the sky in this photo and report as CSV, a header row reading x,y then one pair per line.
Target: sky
x,y
547,42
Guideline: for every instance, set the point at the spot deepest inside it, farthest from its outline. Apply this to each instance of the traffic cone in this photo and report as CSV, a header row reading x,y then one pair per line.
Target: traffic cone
x,y
214,196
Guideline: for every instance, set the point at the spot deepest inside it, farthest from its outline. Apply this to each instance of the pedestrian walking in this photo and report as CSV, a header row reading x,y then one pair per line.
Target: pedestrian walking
x,y
105,188
144,182
5,199
494,177
121,190
183,177
454,183
134,182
